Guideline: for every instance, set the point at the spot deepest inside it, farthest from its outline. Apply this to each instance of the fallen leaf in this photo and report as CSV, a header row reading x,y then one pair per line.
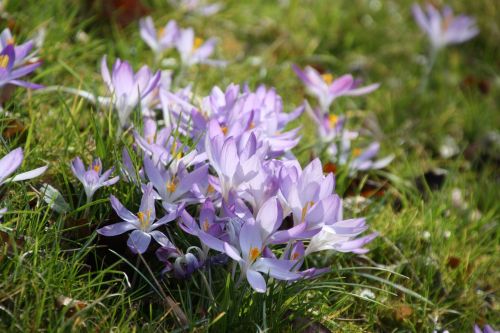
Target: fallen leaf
x,y
403,312
329,167
14,127
123,12
453,262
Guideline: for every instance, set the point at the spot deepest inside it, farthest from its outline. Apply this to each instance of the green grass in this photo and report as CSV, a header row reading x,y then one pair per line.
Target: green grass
x,y
46,255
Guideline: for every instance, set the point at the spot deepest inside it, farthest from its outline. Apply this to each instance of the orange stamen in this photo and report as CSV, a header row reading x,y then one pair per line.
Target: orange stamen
x,y
4,61
254,253
328,78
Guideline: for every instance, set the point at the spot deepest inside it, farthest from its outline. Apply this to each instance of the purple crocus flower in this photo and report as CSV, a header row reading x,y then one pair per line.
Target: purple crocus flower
x,y
263,186
444,28
199,7
340,236
128,89
176,187
249,249
21,51
10,74
326,89
208,221
308,195
195,51
235,163
329,125
161,40
143,223
11,162
239,113
162,146
486,329
357,159
92,178
184,265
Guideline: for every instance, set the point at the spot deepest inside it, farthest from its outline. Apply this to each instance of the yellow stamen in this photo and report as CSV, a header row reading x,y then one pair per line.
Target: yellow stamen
x,y
4,61
179,155
161,32
10,41
224,129
197,42
356,152
210,189
295,256
328,78
150,139
144,219
446,22
254,253
205,225
97,168
171,186
304,210
252,125
333,119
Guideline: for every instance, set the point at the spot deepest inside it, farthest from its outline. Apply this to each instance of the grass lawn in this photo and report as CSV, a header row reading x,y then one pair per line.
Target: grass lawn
x,y
433,267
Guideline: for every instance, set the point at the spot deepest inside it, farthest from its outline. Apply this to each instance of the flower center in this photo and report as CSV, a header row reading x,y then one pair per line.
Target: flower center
x,y
162,32
305,209
356,152
332,120
446,22
4,61
224,129
295,256
171,185
327,77
210,189
10,41
205,225
144,218
96,168
197,42
254,253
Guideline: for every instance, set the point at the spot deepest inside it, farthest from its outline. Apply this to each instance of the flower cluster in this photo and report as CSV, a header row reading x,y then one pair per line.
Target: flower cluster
x,y
224,170
334,137
192,50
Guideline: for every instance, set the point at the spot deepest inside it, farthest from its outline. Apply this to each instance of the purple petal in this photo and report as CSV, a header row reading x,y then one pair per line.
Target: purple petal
x,y
231,252
256,280
270,216
30,174
138,241
121,211
161,239
111,181
215,243
10,162
116,229
250,237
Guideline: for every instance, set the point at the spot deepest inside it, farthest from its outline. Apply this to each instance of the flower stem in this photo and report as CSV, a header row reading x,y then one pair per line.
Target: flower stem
x,y
431,60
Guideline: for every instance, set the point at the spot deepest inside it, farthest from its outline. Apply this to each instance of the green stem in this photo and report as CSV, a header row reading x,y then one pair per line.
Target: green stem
x,y
428,70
